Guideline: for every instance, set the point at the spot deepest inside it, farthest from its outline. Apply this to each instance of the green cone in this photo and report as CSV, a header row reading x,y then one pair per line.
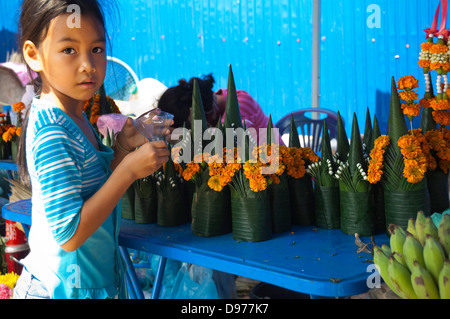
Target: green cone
x,y
232,112
396,123
367,131
343,145
294,140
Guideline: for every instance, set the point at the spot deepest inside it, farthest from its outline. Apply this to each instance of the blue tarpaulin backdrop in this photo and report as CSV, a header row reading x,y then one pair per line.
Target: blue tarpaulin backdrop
x,y
269,45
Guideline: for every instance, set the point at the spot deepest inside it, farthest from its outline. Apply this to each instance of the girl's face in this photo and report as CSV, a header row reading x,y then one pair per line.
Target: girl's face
x,y
72,59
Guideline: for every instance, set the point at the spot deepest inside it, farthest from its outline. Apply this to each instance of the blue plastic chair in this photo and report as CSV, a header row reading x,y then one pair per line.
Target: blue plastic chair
x,y
310,127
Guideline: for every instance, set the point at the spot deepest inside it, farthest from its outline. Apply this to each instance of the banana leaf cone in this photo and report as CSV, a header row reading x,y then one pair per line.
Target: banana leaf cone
x,y
301,192
128,203
377,189
145,200
232,111
211,211
279,196
198,120
427,122
251,217
367,133
402,200
171,205
326,193
343,145
188,191
356,205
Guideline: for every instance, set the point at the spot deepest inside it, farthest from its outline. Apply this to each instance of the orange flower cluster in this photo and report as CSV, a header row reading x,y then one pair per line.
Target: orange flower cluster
x,y
376,159
92,107
11,131
439,142
18,107
408,83
413,148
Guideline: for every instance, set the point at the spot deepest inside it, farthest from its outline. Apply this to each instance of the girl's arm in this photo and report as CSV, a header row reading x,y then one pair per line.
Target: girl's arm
x,y
137,164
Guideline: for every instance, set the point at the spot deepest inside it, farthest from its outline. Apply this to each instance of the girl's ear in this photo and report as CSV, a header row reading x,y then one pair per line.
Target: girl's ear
x,y
31,56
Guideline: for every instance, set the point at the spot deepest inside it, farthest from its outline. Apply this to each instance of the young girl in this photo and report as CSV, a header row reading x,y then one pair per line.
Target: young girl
x,y
76,181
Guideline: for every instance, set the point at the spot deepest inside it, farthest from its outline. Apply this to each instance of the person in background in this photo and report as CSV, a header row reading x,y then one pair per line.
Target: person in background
x,y
177,100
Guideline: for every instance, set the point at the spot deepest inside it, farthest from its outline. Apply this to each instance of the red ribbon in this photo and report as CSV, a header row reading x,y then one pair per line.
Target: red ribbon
x,y
443,28
433,29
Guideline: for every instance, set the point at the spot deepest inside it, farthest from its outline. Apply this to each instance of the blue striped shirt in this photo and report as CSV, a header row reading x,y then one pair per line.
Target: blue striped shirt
x,y
65,170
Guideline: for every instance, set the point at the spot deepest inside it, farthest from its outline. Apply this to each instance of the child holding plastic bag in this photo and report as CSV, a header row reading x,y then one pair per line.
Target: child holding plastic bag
x,y
76,181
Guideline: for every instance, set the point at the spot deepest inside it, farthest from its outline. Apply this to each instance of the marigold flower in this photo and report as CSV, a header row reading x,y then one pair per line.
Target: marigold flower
x,y
441,117
214,183
439,105
9,279
18,107
424,63
407,82
412,109
425,102
425,46
438,48
408,95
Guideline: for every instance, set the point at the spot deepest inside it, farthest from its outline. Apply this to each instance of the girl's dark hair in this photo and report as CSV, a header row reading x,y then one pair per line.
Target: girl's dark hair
x,y
34,22
177,100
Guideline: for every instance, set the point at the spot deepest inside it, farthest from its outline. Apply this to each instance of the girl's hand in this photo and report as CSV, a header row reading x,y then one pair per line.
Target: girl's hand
x,y
146,159
130,138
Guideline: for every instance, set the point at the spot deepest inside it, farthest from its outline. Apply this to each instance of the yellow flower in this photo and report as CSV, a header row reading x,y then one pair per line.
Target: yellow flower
x,y
214,183
9,279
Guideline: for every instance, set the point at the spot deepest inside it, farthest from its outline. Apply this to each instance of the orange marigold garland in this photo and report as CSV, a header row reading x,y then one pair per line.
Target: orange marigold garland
x,y
375,170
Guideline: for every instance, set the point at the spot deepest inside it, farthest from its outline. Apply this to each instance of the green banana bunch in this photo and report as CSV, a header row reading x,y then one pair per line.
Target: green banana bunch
x,y
412,227
416,263
444,233
430,228
400,278
381,261
398,237
412,251
444,281
423,283
420,227
434,257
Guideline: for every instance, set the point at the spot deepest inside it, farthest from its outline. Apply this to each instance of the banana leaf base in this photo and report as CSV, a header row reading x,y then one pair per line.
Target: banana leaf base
x,y
211,213
171,208
437,182
357,214
251,218
128,203
145,209
280,206
327,209
400,206
301,195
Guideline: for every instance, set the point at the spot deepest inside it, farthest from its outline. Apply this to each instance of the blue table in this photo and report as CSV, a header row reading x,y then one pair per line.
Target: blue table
x,y
310,260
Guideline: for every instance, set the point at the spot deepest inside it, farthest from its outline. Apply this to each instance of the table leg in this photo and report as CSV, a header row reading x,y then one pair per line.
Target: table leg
x,y
159,277
131,275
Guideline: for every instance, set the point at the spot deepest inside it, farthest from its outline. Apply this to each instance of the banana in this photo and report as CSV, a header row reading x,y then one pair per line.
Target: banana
x,y
423,283
398,237
386,249
434,256
430,228
444,280
444,233
381,261
411,227
419,226
412,250
400,277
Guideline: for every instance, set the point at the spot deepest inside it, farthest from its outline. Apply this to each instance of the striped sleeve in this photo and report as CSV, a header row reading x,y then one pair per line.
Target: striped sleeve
x,y
57,156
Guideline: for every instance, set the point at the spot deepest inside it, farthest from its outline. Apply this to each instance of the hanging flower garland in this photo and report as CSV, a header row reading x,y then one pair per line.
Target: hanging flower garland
x,y
407,84
375,169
